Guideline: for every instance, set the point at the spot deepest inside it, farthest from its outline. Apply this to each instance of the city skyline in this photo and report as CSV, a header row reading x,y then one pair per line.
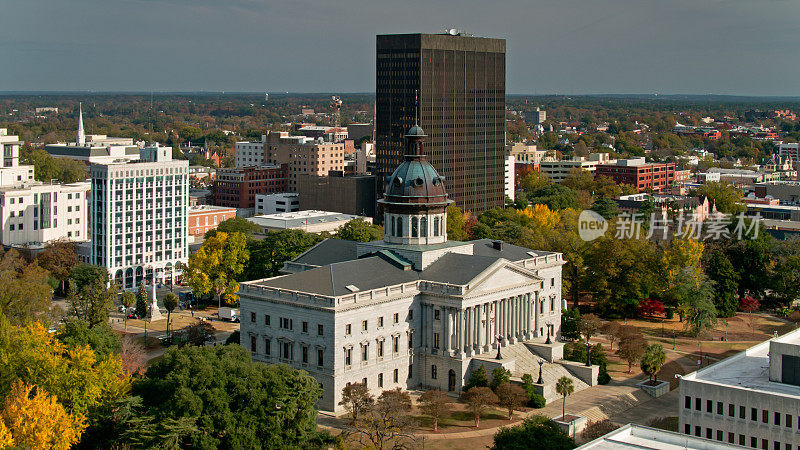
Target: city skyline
x,y
611,46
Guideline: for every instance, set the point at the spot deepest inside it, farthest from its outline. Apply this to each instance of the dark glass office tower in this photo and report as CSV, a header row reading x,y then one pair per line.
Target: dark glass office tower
x,y
462,94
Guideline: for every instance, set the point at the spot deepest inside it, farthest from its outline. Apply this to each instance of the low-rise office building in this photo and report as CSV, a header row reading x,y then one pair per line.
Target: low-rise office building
x,y
558,170
639,174
277,203
751,399
238,187
307,220
204,218
348,194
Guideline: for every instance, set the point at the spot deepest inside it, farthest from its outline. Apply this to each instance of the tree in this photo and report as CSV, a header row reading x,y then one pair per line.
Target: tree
x,y
612,330
597,428
456,224
534,432
93,302
477,400
74,375
214,266
197,334
719,269
750,305
141,302
631,348
726,197
652,360
477,378
25,294
555,196
570,324
85,274
500,375
356,399
588,325
435,404
387,424
170,303
127,299
606,207
359,230
235,403
133,356
100,338
650,307
38,420
268,255
564,388
48,168
234,225
700,310
511,397
532,181
58,258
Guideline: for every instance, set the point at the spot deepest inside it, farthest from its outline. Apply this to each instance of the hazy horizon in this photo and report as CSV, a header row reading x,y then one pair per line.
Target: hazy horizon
x,y
741,48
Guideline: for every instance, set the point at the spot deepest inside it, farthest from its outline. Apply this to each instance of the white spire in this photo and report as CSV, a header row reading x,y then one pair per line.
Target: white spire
x,y
81,140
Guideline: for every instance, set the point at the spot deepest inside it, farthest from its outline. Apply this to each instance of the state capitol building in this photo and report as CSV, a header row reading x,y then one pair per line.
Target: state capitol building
x,y
413,310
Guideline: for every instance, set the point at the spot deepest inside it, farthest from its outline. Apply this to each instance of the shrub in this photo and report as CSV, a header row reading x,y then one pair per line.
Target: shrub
x,y
477,378
603,377
597,428
537,401
670,313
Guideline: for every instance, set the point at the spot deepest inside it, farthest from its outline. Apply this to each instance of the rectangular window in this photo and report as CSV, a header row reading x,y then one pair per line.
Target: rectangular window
x,y
435,340
731,437
719,408
320,357
347,330
364,325
348,356
266,319
789,421
253,344
305,354
396,318
697,430
396,375
380,349
697,404
753,442
687,429
742,412
364,352
777,418
305,327
267,346
708,433
765,416
742,440
731,410
395,344
319,330
753,414
380,322
410,314
436,314
380,380
687,402
719,435
253,317
709,405
433,372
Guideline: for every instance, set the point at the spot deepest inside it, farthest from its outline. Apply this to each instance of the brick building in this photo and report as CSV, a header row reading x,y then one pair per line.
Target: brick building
x,y
640,174
204,218
237,187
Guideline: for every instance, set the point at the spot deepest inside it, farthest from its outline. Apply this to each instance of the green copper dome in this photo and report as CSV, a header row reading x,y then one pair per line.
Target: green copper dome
x,y
416,130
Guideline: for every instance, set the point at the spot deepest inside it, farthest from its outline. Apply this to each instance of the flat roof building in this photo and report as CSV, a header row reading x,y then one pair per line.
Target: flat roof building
x,y
640,174
311,221
632,436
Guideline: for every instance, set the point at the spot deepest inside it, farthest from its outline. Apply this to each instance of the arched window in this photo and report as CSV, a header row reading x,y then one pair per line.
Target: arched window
x,y
423,226
436,226
415,227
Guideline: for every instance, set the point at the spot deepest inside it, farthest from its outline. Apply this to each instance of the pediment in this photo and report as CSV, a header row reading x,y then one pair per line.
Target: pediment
x,y
502,275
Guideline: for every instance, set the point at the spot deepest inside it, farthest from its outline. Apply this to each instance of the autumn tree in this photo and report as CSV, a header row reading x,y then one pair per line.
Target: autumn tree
x,y
127,299
456,224
650,307
597,428
612,331
214,266
478,399
37,420
25,294
435,404
58,258
133,356
356,399
750,305
388,423
631,348
511,397
652,360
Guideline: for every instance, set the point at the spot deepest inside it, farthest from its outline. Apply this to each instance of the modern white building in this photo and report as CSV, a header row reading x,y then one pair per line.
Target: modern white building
x,y
311,221
751,399
249,153
508,177
277,203
558,170
139,216
413,310
632,436
33,213
95,148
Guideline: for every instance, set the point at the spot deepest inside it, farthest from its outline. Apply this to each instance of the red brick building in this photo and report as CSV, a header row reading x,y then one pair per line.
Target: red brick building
x,y
237,188
203,218
636,172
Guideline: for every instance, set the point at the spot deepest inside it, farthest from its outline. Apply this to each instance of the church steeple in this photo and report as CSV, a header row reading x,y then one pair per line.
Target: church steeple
x,y
81,138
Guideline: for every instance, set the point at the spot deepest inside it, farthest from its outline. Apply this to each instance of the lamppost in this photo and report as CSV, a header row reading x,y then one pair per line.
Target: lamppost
x,y
499,356
588,353
548,341
541,363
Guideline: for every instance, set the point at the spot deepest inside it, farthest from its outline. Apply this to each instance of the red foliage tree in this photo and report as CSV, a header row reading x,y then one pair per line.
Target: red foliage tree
x,y
749,305
650,307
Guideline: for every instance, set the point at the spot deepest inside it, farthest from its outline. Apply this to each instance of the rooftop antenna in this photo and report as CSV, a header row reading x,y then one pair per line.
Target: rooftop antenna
x,y
416,106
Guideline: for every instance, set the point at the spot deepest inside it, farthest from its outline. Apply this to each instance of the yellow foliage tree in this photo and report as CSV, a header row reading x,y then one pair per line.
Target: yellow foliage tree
x,y
541,215
72,374
681,254
214,266
37,421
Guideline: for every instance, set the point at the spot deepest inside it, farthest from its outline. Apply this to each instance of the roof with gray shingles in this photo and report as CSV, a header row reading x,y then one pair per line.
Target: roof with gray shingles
x,y
484,247
327,252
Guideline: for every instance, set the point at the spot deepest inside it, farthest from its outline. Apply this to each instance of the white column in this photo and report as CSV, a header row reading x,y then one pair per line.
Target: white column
x,y
459,331
431,325
467,330
536,313
488,328
446,329
478,317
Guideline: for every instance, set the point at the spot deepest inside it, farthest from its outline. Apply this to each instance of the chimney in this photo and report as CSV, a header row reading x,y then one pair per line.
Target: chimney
x,y
497,245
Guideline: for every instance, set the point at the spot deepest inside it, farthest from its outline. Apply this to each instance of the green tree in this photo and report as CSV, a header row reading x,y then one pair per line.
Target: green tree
x,y
234,225
141,302
564,388
606,207
236,403
500,375
170,303
215,265
48,168
100,338
555,196
719,269
25,294
456,224
570,324
532,181
726,197
652,360
127,299
359,230
268,255
477,378
786,279
535,429
86,274
93,302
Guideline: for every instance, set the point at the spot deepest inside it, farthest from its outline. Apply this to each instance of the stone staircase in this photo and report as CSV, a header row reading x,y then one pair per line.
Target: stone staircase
x,y
526,361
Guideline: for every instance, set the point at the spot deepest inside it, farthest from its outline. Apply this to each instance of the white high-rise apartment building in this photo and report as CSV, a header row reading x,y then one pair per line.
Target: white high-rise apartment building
x,y
33,213
139,217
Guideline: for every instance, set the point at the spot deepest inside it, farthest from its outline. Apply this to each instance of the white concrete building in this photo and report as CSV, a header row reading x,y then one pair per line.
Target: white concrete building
x,y
277,203
249,153
558,170
139,216
632,436
311,221
33,213
413,310
750,399
508,177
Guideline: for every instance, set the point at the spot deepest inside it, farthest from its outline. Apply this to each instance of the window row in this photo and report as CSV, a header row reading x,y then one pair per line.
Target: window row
x,y
286,351
742,412
380,345
736,438
348,328
285,323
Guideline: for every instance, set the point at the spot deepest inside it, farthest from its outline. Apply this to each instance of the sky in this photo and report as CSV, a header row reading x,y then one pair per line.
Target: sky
x,y
729,47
